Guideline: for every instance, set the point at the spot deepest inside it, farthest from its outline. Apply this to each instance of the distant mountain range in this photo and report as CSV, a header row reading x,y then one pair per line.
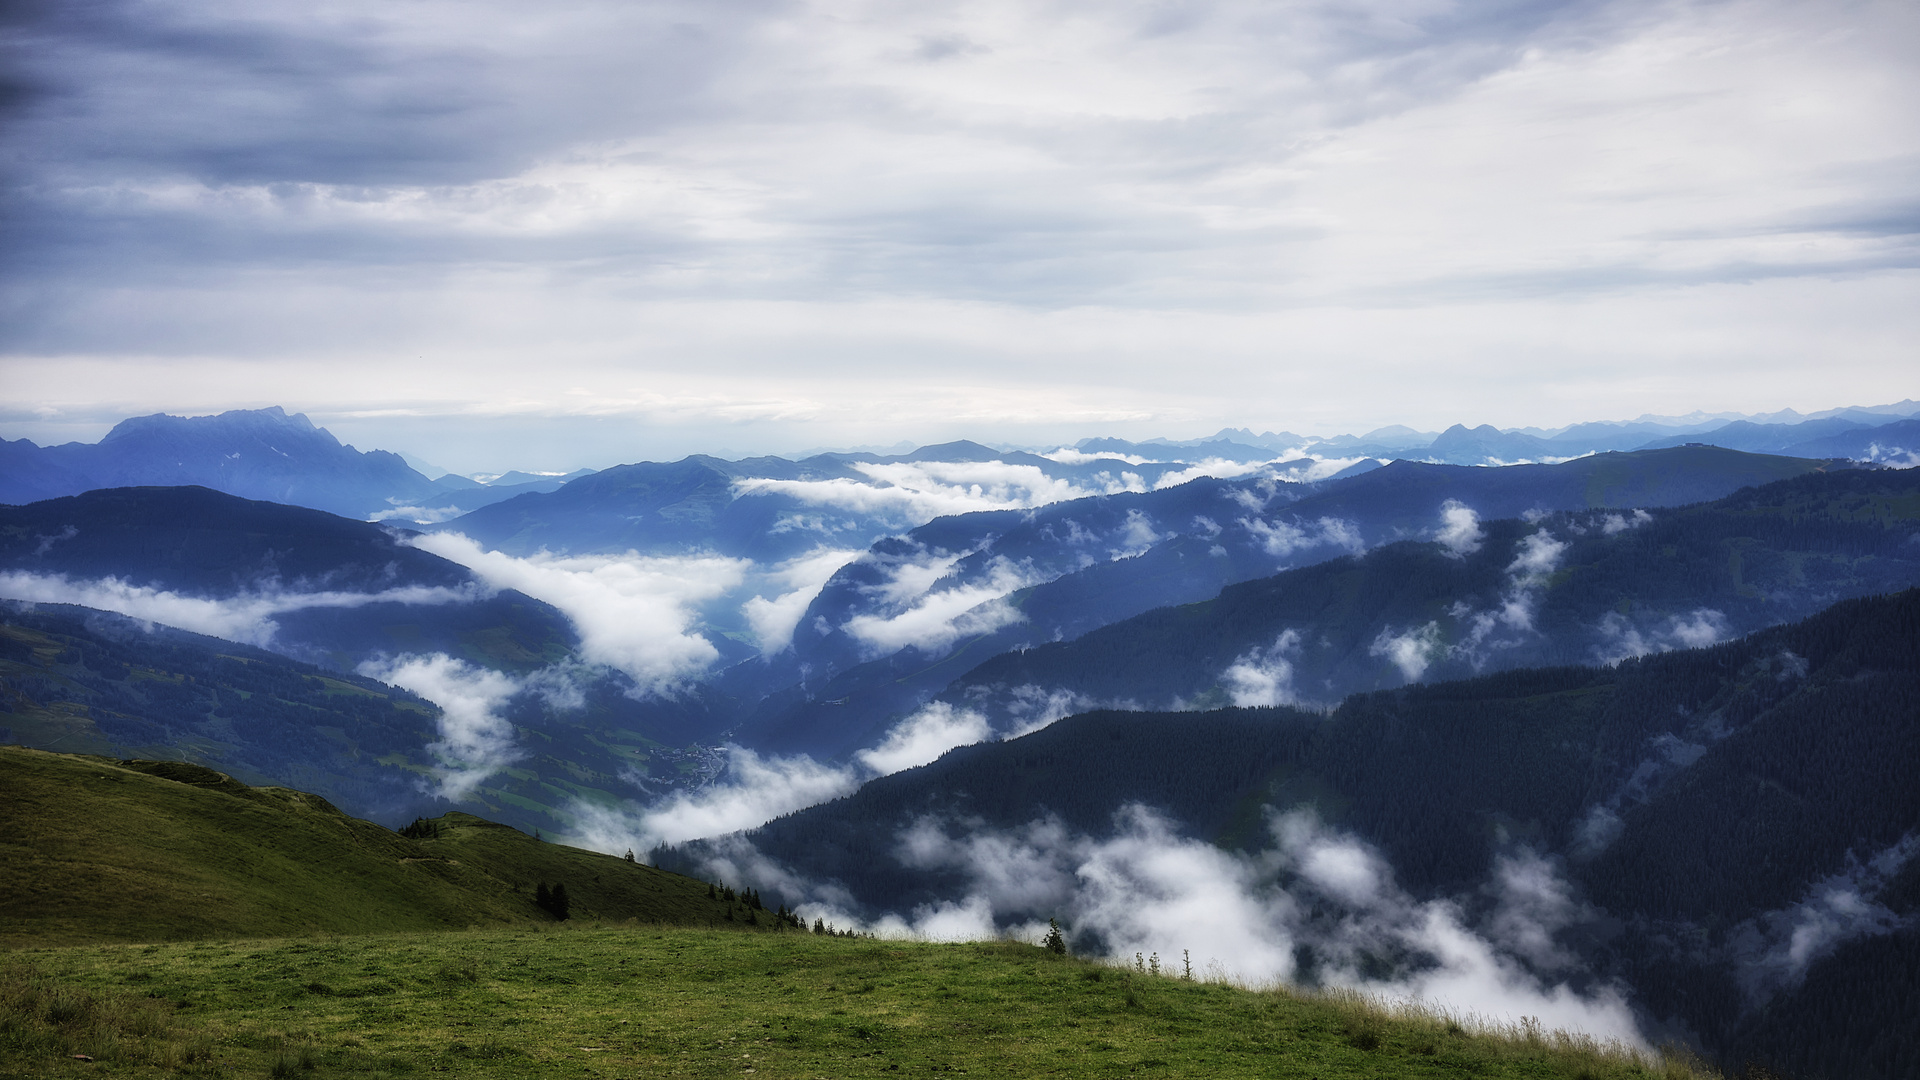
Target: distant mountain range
x,y
273,455
255,454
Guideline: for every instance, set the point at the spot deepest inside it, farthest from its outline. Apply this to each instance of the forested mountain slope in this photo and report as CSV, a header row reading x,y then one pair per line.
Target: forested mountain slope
x,y
79,680
1740,822
306,583
1006,582
1566,588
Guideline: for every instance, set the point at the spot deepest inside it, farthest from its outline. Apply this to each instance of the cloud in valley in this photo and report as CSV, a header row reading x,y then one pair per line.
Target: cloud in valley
x,y
1263,678
1459,530
915,614
475,740
1622,638
247,617
1145,888
636,613
773,621
930,732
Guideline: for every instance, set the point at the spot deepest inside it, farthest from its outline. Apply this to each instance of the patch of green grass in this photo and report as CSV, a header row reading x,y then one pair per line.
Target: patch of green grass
x,y
641,1001
99,850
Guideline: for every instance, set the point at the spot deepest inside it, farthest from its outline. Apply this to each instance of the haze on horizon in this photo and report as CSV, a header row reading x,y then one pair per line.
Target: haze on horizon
x,y
500,238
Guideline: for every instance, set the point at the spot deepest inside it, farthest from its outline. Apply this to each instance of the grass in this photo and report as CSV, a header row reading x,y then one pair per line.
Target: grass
x,y
95,850
651,1001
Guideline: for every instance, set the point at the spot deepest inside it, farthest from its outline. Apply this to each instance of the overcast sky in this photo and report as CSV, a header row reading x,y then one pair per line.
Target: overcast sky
x,y
501,234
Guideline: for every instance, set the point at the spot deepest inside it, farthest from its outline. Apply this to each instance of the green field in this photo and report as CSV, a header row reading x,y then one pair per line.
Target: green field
x,y
644,1001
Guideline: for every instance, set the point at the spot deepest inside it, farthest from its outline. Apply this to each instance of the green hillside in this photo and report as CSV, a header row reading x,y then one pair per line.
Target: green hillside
x,y
97,850
648,1002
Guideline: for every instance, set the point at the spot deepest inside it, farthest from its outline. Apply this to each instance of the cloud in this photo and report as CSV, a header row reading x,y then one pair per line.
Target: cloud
x,y
1317,892
1614,524
1459,530
906,494
1622,640
933,620
753,791
1283,538
1263,678
475,741
1411,651
1538,556
925,735
773,621
1030,708
246,617
634,612
1774,950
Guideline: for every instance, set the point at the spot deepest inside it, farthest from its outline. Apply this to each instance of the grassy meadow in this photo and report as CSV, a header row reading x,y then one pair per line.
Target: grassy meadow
x,y
615,1001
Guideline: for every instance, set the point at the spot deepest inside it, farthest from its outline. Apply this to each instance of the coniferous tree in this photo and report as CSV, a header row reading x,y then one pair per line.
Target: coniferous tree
x,y
1055,942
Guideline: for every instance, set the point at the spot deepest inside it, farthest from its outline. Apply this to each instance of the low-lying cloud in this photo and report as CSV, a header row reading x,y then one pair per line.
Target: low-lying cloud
x,y
1318,897
1622,640
773,621
930,732
931,619
1459,530
636,613
906,494
246,617
475,740
1263,678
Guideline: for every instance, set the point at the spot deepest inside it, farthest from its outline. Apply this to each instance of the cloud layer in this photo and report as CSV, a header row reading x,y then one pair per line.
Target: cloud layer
x,y
763,227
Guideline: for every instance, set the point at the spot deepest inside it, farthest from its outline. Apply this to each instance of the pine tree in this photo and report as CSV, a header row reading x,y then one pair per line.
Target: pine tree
x,y
1055,942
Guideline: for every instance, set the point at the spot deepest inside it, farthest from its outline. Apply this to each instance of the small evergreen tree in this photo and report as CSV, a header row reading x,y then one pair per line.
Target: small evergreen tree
x,y
819,926
1055,942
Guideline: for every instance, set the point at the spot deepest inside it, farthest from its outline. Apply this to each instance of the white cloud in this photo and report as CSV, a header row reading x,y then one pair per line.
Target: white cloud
x,y
1147,889
1538,557
475,741
1262,678
1412,651
906,494
1283,538
934,729
1774,949
934,620
1621,639
773,621
1031,708
246,617
1614,524
633,612
753,791
1459,530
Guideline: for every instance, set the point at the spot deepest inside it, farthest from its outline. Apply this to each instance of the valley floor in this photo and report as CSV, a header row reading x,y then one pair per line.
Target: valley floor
x,y
645,1001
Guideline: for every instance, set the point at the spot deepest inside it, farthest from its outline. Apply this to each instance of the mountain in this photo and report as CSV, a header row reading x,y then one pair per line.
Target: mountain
x,y
306,583
1558,588
915,613
78,679
770,508
255,454
1729,831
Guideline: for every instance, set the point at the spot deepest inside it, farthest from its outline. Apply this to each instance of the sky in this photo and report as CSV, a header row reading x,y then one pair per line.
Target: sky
x,y
502,235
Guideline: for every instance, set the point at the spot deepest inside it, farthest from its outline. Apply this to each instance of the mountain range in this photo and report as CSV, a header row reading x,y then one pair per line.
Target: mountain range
x,y
1630,721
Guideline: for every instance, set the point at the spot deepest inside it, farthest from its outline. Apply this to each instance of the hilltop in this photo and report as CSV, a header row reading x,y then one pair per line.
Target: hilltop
x,y
98,850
